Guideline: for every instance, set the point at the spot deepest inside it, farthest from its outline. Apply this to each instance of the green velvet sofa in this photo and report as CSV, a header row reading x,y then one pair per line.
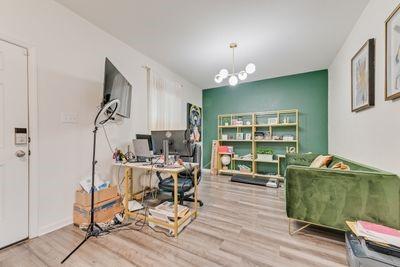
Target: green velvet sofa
x,y
329,197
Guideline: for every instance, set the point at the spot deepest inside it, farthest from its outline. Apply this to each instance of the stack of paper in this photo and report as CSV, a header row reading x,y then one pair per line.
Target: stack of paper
x,y
375,232
165,211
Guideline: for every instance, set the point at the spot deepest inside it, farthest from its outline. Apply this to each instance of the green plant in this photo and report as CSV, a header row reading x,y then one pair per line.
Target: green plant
x,y
265,150
226,121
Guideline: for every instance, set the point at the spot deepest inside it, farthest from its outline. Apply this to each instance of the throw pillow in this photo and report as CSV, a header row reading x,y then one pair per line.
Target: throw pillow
x,y
341,166
321,161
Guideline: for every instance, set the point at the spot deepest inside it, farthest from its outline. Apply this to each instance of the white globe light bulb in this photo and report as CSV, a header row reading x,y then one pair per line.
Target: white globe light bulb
x,y
224,73
218,78
250,68
233,80
242,75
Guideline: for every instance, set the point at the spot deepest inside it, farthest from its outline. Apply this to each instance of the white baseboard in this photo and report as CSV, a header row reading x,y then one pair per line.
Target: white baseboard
x,y
54,226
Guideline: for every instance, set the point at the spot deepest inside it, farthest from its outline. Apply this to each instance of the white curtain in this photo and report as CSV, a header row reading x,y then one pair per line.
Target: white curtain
x,y
166,104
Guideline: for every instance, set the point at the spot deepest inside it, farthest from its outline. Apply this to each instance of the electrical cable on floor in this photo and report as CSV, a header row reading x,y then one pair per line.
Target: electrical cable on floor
x,y
141,223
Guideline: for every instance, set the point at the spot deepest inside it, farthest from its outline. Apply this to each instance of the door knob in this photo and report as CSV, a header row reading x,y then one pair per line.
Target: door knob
x,y
20,153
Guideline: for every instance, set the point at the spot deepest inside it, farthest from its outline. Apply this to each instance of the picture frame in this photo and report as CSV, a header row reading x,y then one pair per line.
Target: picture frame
x,y
248,136
392,55
194,120
239,136
363,77
272,121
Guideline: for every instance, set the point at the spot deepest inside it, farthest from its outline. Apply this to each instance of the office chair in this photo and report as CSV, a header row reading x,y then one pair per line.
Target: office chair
x,y
185,181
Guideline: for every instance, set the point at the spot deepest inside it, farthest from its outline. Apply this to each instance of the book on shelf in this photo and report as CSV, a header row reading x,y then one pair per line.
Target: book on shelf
x,y
225,150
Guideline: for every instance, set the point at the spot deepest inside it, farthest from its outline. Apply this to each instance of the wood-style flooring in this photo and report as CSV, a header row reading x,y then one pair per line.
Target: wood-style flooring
x,y
239,225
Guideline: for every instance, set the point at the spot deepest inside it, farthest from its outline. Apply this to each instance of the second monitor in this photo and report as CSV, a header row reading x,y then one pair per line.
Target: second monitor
x,y
178,140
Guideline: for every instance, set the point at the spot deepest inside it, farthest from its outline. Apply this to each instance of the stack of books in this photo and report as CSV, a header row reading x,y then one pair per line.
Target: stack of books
x,y
380,238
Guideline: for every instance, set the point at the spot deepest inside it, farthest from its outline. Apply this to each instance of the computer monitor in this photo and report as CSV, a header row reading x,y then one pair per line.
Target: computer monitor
x,y
141,149
178,140
146,137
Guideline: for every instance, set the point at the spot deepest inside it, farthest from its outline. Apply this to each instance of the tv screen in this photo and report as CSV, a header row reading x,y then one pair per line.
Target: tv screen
x,y
117,87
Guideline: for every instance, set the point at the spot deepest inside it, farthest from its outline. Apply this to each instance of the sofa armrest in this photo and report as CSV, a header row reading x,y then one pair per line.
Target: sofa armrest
x,y
330,197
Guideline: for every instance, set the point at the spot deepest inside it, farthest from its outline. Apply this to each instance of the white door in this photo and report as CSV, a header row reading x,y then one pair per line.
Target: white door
x,y
13,144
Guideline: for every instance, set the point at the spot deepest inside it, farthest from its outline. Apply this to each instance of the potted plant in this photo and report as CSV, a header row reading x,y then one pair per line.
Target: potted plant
x,y
225,121
265,153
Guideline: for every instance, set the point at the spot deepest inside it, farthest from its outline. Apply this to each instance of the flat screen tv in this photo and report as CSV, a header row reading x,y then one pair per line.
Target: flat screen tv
x,y
117,87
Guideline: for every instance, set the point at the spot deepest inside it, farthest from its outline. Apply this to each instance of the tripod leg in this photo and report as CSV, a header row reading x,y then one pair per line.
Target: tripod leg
x,y
98,226
75,249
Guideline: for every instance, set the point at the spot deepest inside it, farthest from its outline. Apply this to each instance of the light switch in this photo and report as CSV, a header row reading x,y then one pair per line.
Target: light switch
x,y
69,117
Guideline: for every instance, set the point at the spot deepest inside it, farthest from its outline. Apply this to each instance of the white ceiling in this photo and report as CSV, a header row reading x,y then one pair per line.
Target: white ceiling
x,y
191,37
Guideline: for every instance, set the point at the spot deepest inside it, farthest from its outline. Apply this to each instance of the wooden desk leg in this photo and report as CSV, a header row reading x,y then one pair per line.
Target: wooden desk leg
x,y
128,185
195,192
175,176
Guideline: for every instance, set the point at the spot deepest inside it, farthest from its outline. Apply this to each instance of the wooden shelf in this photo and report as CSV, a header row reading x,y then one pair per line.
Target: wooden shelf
x,y
267,161
238,159
235,140
235,126
276,141
259,121
231,172
276,125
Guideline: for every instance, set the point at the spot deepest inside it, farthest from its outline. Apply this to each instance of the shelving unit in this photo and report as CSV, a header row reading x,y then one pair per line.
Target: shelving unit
x,y
273,124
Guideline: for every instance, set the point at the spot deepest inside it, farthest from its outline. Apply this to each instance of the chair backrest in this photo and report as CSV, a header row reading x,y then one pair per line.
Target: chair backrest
x,y
195,158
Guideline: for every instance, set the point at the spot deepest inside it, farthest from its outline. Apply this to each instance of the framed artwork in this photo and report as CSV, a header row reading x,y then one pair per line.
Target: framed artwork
x,y
272,121
363,77
239,136
392,55
194,122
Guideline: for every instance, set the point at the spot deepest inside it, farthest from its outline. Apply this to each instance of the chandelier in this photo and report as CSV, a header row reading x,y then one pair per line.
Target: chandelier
x,y
234,77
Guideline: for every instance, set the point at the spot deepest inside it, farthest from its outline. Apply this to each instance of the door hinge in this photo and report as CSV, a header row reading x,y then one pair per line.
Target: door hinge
x,y
29,139
29,152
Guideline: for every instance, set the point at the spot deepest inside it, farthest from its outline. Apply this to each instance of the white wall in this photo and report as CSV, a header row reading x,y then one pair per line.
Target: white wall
x,y
371,136
70,66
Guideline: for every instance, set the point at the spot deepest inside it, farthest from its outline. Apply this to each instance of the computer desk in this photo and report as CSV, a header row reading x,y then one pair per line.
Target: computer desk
x,y
193,212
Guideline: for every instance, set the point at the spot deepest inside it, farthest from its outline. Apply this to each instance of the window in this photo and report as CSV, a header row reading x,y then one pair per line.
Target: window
x,y
166,106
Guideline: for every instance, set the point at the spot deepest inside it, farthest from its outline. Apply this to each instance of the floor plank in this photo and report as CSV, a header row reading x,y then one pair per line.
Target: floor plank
x,y
239,225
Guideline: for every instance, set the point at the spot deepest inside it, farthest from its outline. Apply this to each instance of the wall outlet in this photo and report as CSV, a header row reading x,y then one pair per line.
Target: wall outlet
x,y
69,117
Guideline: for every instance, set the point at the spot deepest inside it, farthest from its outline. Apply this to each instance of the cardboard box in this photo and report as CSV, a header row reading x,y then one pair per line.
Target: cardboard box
x,y
83,198
104,211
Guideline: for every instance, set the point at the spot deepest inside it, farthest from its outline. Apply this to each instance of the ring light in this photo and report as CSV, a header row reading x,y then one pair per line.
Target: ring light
x,y
106,110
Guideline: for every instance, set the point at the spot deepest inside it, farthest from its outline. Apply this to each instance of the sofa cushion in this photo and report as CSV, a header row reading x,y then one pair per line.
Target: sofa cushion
x,y
340,166
321,161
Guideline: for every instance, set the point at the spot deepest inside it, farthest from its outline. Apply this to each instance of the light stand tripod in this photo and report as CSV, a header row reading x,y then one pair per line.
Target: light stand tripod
x,y
94,229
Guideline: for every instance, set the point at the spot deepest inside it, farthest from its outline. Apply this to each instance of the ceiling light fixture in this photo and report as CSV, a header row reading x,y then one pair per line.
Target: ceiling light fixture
x,y
234,77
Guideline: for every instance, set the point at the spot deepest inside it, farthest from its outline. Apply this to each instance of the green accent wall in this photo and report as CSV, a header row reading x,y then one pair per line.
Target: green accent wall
x,y
307,92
